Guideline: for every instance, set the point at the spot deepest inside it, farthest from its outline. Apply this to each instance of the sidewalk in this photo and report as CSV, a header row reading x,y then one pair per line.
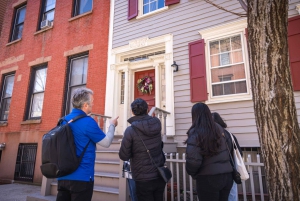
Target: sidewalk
x,y
22,192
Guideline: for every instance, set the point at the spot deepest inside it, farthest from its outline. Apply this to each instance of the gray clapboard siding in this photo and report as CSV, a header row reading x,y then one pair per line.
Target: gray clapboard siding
x,y
184,20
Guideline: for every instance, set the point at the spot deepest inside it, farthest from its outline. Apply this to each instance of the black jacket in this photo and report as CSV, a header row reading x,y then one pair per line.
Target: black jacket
x,y
196,164
149,129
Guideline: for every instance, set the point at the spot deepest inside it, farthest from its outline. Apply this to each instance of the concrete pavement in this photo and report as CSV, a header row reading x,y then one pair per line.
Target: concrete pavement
x,y
22,192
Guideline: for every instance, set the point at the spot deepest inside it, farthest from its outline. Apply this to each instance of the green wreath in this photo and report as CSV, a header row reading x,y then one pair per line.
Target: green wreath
x,y
145,85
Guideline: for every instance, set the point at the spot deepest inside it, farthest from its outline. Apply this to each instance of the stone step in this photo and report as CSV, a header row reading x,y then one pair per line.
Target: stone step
x,y
107,166
106,179
107,155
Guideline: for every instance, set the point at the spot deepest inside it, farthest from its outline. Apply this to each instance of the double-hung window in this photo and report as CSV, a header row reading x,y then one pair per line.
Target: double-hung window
x,y
152,5
77,77
227,66
48,10
7,90
18,23
82,6
37,87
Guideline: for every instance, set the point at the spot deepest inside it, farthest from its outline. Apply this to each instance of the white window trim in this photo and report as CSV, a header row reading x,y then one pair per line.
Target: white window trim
x,y
140,10
219,32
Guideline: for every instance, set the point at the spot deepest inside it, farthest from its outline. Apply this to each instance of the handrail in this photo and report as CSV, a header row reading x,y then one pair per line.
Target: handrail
x,y
161,113
150,113
99,117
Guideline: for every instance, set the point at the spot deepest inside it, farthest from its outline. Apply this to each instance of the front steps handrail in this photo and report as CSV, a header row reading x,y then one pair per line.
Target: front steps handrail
x,y
161,113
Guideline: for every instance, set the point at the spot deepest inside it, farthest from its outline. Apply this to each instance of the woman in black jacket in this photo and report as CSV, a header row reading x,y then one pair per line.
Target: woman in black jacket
x,y
149,184
207,157
233,195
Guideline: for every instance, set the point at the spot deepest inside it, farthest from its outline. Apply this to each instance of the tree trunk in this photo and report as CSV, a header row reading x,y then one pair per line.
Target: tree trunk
x,y
273,97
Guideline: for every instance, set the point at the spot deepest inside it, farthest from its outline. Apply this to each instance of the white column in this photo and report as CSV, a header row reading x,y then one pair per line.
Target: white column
x,y
157,85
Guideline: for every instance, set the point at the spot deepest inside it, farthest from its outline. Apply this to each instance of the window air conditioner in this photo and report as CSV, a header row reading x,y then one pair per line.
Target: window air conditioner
x,y
45,24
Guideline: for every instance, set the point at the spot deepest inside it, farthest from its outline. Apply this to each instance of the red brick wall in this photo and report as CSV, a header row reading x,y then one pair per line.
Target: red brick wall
x,y
65,35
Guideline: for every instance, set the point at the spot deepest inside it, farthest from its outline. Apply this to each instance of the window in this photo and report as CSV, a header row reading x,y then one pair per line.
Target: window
x,y
122,87
152,5
37,92
227,66
48,10
18,23
77,77
7,90
82,6
0,155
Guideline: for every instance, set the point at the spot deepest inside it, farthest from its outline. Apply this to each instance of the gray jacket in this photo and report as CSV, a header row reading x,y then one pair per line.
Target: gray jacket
x,y
196,164
149,129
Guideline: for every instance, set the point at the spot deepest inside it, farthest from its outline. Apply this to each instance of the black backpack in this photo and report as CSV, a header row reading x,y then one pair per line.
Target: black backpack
x,y
59,150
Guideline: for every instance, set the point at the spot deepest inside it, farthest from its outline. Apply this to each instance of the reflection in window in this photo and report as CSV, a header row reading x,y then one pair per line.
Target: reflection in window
x,y
152,5
18,23
37,97
82,6
227,66
122,87
48,10
77,77
7,90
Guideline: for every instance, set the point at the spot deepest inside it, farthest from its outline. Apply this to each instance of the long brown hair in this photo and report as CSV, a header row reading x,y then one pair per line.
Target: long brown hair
x,y
208,135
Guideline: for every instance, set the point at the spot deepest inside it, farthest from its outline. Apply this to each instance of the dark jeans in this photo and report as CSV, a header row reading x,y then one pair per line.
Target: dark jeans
x,y
150,190
69,190
132,189
214,187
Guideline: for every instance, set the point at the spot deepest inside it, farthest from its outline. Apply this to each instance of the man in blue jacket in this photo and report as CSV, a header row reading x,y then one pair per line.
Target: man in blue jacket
x,y
78,186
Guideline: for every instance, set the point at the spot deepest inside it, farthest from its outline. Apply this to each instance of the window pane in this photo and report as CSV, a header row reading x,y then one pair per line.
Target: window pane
x,y
236,72
49,15
79,71
20,15
37,105
225,45
153,6
71,95
85,6
237,56
146,1
236,42
5,108
8,86
40,80
49,4
146,9
214,47
122,87
225,59
18,32
229,88
161,3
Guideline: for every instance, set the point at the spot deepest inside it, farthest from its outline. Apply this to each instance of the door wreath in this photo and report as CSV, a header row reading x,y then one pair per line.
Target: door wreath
x,y
145,85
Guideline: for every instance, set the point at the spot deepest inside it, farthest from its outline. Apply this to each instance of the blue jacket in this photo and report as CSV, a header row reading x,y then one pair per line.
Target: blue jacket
x,y
84,130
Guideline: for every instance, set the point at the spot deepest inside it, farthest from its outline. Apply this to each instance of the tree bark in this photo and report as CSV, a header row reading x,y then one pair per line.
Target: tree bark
x,y
273,97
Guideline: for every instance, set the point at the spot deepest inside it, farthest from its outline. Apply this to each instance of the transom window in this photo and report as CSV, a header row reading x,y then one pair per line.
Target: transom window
x,y
82,6
152,5
227,66
7,90
18,23
37,92
77,77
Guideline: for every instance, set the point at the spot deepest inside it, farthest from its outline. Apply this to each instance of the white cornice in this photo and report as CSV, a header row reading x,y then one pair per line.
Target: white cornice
x,y
224,28
298,8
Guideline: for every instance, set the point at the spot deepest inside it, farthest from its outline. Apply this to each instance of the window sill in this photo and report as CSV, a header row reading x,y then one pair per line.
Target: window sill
x,y
81,15
3,123
13,42
31,121
43,30
153,13
224,99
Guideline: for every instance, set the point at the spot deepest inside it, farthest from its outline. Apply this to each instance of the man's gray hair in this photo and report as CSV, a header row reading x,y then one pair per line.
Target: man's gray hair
x,y
81,96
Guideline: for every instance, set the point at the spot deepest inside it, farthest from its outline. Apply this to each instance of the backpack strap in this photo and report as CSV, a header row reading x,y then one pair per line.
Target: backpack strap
x,y
77,117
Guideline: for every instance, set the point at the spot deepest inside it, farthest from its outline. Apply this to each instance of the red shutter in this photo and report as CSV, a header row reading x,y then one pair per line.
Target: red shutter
x,y
294,50
132,9
170,2
197,71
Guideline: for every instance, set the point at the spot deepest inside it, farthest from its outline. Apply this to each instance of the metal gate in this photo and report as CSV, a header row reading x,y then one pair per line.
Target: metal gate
x,y
25,163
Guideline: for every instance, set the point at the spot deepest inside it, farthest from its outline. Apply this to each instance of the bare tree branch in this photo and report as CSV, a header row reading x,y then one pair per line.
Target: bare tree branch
x,y
220,7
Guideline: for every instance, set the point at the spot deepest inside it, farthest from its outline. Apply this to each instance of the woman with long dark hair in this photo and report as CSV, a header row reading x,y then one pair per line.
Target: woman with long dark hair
x,y
233,195
207,157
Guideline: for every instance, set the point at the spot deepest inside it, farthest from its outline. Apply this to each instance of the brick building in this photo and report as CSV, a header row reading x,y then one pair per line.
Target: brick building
x,y
47,49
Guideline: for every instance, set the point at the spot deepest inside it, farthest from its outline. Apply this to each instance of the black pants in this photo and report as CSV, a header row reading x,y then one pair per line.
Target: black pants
x,y
152,190
214,187
69,190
